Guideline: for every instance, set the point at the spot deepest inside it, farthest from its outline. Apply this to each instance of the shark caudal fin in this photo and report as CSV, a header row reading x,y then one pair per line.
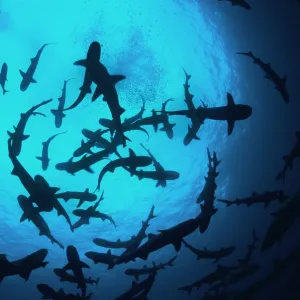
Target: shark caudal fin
x,y
5,91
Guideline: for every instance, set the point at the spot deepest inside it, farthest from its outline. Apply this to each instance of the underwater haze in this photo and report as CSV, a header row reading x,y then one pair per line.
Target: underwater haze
x,y
151,43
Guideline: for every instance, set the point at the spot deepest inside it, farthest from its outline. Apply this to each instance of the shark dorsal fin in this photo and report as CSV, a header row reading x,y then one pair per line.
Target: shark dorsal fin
x,y
84,265
131,153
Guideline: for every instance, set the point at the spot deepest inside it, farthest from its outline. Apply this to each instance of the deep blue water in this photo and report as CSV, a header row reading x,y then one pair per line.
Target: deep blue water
x,y
150,42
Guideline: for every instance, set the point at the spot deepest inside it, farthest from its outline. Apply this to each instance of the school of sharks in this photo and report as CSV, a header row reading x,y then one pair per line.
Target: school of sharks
x,y
102,145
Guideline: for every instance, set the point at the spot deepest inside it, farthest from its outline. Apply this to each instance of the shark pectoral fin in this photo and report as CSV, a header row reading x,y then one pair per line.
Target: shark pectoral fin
x,y
33,80
39,158
10,134
23,218
84,265
25,274
22,73
177,245
116,78
98,92
89,169
230,126
155,126
121,110
14,171
158,183
82,62
85,89
25,137
54,189
80,203
67,267
86,221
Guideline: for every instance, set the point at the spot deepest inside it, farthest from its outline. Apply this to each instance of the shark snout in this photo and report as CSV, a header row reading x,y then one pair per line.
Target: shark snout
x,y
243,112
61,166
41,254
172,175
94,51
72,253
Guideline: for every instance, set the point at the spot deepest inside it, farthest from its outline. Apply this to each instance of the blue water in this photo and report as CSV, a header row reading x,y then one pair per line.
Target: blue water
x,y
149,42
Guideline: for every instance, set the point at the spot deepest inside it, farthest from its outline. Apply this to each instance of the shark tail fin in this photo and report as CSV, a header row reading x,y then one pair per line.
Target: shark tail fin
x,y
82,62
5,91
